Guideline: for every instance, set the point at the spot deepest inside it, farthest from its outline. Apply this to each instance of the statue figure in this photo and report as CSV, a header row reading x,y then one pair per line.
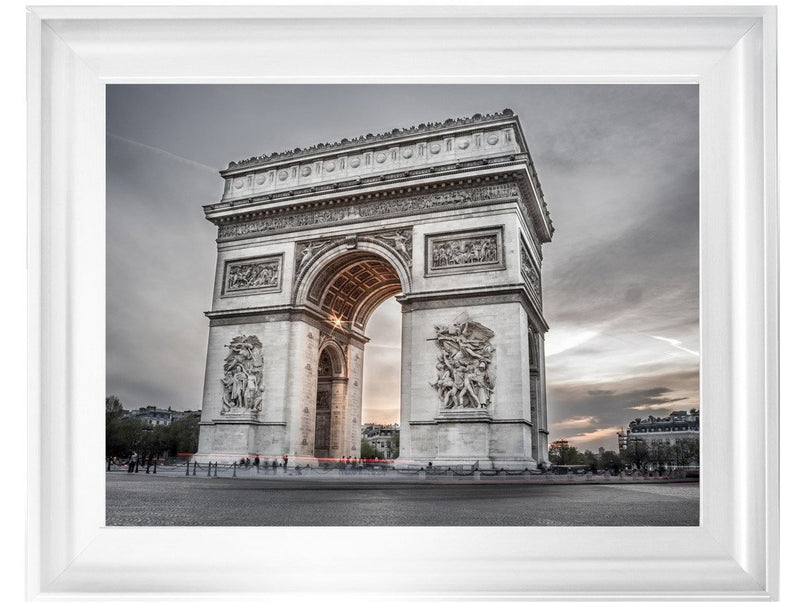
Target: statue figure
x,y
307,253
242,378
464,358
400,241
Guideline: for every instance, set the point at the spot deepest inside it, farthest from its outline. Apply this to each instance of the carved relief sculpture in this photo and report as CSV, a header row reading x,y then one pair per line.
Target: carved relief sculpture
x,y
464,365
400,240
459,252
530,274
252,276
305,252
370,209
242,376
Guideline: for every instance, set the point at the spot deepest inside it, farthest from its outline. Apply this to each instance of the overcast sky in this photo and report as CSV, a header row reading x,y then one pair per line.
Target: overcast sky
x,y
619,168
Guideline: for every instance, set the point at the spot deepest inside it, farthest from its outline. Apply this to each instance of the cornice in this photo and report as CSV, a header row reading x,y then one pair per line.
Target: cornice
x,y
367,139
403,159
241,221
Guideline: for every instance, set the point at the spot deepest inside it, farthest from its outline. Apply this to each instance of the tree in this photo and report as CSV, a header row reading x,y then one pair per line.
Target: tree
x,y
125,434
394,444
367,451
659,453
561,453
686,451
113,407
181,437
590,460
636,452
610,460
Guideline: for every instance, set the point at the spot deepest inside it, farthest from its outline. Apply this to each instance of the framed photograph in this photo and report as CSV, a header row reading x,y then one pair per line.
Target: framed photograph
x,y
91,69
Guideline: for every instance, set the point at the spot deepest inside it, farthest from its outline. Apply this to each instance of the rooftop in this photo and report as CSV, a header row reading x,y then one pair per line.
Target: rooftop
x,y
349,143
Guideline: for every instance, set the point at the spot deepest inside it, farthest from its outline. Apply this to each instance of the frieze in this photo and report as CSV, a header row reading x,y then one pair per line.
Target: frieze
x,y
464,374
252,275
480,249
371,209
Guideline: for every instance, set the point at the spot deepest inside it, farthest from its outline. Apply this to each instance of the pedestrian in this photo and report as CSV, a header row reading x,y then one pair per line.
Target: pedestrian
x,y
285,463
132,462
274,465
257,462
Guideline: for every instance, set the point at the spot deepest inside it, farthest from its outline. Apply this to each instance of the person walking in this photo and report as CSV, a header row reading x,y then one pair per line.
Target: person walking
x,y
285,463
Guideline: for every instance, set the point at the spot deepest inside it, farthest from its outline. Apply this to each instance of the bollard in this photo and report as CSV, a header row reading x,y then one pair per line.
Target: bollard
x,y
216,468
234,469
195,466
108,464
476,475
156,462
421,473
148,467
187,470
209,468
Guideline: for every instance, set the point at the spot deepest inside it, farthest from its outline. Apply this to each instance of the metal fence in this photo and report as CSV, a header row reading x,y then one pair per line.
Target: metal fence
x,y
190,468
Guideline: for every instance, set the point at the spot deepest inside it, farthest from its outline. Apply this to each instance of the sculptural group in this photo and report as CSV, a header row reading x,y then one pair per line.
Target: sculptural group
x,y
464,365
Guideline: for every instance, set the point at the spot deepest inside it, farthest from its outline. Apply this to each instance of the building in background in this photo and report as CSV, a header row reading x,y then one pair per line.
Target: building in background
x,y
384,439
160,416
662,440
669,430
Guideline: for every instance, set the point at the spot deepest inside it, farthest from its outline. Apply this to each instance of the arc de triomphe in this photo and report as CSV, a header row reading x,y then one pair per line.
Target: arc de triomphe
x,y
447,217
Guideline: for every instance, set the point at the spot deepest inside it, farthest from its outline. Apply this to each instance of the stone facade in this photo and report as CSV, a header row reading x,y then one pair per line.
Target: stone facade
x,y
679,425
450,219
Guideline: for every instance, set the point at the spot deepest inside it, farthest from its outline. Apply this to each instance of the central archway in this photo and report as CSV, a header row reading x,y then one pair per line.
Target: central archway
x,y
346,282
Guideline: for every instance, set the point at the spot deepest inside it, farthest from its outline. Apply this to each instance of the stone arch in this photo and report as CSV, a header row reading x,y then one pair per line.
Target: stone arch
x,y
334,353
350,278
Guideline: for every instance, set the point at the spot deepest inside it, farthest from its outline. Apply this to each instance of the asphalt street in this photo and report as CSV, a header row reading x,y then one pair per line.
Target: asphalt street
x,y
148,500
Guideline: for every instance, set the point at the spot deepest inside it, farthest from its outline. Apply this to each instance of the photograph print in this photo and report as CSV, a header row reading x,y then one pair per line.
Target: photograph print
x,y
415,305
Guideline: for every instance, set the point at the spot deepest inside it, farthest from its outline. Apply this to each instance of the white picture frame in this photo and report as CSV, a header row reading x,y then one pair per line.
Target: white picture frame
x,y
730,52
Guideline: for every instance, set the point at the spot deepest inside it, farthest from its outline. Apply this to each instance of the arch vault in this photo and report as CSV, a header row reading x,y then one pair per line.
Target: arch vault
x,y
448,218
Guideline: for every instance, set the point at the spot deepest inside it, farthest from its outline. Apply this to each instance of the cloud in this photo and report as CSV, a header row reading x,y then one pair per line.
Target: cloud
x,y
576,422
613,408
619,167
602,436
676,344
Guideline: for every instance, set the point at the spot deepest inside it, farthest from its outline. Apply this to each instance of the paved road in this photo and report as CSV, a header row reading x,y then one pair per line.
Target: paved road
x,y
147,500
